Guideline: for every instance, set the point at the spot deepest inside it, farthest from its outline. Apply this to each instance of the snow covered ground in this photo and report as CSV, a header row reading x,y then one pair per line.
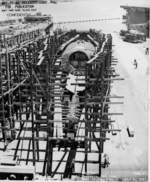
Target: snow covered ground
x,y
129,156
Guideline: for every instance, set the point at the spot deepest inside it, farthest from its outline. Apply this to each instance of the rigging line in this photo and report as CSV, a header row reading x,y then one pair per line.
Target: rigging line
x,y
87,20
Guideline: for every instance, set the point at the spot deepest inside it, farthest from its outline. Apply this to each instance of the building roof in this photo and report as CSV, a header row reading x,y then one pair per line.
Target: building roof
x,y
137,5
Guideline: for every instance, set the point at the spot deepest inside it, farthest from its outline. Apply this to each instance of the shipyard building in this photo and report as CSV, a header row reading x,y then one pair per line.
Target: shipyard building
x,y
137,18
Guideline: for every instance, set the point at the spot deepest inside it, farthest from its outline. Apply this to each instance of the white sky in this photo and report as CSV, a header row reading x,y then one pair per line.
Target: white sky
x,y
84,9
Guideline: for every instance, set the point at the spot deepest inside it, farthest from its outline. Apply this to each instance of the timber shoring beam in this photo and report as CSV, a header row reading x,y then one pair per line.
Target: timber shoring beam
x,y
34,103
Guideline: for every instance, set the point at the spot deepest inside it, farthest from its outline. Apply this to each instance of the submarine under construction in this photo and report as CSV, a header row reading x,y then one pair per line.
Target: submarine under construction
x,y
55,95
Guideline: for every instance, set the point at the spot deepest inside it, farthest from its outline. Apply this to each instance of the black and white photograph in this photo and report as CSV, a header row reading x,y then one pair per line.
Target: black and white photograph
x,y
74,90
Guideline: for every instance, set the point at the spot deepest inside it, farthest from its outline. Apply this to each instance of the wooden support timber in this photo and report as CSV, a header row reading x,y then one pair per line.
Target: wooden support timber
x,y
35,105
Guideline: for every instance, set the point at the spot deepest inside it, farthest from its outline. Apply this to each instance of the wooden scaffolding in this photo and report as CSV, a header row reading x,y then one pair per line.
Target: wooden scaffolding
x,y
30,96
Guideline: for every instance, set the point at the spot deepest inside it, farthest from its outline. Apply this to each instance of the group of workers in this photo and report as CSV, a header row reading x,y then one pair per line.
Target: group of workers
x,y
135,63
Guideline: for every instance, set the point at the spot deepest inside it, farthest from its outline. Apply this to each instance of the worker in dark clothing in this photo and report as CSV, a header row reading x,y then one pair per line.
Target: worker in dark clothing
x,y
106,160
147,51
135,64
